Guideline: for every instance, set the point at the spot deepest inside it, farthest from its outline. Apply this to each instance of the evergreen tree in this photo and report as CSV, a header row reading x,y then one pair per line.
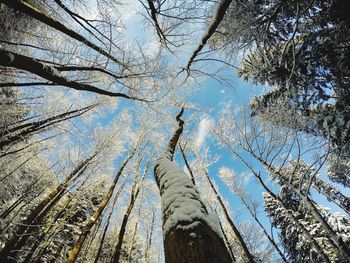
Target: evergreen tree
x,y
296,244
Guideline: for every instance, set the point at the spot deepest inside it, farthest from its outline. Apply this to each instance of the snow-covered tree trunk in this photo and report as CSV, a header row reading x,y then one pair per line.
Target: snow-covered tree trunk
x,y
190,233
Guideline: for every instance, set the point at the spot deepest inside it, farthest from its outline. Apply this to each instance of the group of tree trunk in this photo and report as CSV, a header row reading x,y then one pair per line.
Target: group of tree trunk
x,y
294,139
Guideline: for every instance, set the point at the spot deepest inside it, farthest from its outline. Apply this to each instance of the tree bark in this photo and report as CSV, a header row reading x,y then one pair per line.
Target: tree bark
x,y
219,13
108,221
149,239
332,194
18,239
230,221
335,240
76,249
133,197
190,233
26,130
272,241
290,215
187,164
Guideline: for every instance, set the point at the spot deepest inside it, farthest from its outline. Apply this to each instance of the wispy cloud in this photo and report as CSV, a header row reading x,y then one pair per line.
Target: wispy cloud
x,y
128,10
202,133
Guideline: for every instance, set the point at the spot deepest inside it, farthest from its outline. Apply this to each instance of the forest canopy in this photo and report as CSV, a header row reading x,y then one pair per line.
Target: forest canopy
x,y
174,131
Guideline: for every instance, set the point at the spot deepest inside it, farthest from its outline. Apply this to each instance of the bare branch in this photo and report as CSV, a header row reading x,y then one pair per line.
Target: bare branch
x,y
40,16
10,59
216,19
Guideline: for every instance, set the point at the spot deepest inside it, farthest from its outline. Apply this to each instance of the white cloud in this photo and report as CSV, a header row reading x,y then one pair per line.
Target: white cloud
x,y
202,133
128,10
152,47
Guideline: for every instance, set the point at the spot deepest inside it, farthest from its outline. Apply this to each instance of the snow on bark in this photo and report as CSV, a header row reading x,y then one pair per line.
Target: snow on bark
x,y
181,204
191,234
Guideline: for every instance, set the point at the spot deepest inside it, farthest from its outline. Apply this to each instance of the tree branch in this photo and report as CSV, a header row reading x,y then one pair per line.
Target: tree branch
x,y
40,16
11,59
216,20
173,141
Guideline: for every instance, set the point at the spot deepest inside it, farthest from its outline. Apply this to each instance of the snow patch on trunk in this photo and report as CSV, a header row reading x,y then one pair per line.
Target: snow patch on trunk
x,y
181,204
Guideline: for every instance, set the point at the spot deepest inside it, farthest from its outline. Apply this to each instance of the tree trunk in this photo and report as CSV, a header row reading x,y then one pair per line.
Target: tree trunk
x,y
46,71
290,215
272,241
335,240
187,164
99,250
31,11
190,233
149,239
76,249
134,194
332,194
133,240
230,221
43,233
18,239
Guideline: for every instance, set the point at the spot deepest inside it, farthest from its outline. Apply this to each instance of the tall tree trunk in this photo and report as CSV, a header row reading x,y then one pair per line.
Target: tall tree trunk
x,y
91,238
189,169
48,72
18,239
190,233
270,238
227,242
99,250
335,240
230,221
26,130
133,236
43,233
76,249
54,229
289,214
332,194
226,213
218,16
135,190
26,8
149,239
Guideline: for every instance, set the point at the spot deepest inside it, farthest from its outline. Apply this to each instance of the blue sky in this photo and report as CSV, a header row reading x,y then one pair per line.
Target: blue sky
x,y
212,95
